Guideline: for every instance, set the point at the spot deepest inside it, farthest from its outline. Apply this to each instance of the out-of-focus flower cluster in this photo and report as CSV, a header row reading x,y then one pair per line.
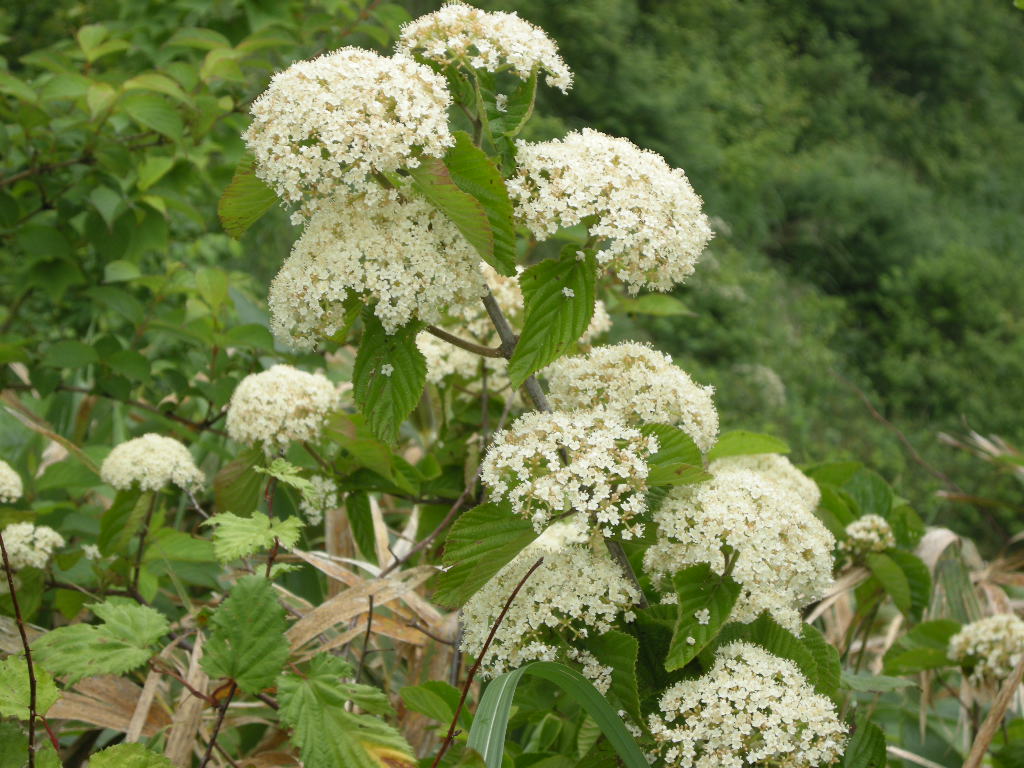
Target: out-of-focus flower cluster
x,y
321,497
992,646
579,461
751,708
151,462
30,546
10,484
870,533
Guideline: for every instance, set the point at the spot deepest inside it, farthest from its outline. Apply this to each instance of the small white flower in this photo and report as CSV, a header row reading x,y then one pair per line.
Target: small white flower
x,y
501,102
91,551
387,369
568,293
691,641
703,616
870,533
321,497
152,462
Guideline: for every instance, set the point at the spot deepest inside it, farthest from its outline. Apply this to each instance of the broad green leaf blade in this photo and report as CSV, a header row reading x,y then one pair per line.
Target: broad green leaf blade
x,y
14,688
866,748
285,472
360,520
237,486
13,745
328,736
619,651
678,460
435,698
705,602
655,304
247,644
121,643
245,200
923,647
870,492
740,442
518,109
867,683
388,377
121,521
826,657
918,577
892,578
487,736
128,756
475,174
482,541
559,304
235,537
152,112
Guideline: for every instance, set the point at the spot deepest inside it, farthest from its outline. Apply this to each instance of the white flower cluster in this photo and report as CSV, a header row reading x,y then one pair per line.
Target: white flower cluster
x,y
995,646
471,322
10,484
784,557
278,406
646,213
870,533
405,255
577,590
580,461
637,383
800,491
321,497
751,708
329,122
151,462
30,546
492,41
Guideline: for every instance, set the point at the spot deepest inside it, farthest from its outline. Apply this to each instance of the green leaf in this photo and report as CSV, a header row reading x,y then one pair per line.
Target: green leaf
x,y
235,537
433,180
487,736
473,172
870,492
128,756
328,736
152,112
237,486
154,81
121,643
826,658
14,689
892,578
152,169
699,590
866,748
435,698
120,271
619,651
923,647
360,519
289,474
482,541
918,578
654,304
130,364
865,683
518,108
123,519
252,335
740,442
247,644
70,354
559,304
388,377
13,745
245,200
678,460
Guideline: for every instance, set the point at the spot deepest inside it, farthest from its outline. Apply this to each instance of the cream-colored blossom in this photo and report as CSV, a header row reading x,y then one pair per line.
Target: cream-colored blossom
x,y
493,41
639,384
870,533
750,709
279,406
471,322
151,462
404,255
580,461
321,497
91,552
993,646
784,552
30,546
327,123
644,212
10,484
578,590
800,491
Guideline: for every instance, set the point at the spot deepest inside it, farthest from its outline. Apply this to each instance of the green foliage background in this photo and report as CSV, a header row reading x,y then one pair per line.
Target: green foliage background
x,y
862,161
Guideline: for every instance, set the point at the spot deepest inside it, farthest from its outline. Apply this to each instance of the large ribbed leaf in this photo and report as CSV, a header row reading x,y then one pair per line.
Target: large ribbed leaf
x,y
705,602
245,200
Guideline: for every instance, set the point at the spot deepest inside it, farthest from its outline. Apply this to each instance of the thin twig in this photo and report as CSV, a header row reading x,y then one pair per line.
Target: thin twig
x,y
428,633
469,346
137,572
28,656
476,664
220,722
268,497
188,686
317,457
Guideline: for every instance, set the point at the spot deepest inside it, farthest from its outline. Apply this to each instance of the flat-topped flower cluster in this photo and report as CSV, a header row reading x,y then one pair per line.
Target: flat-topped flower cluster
x,y
992,647
151,462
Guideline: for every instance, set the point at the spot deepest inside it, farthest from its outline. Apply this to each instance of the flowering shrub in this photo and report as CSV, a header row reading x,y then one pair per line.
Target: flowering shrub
x,y
468,488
